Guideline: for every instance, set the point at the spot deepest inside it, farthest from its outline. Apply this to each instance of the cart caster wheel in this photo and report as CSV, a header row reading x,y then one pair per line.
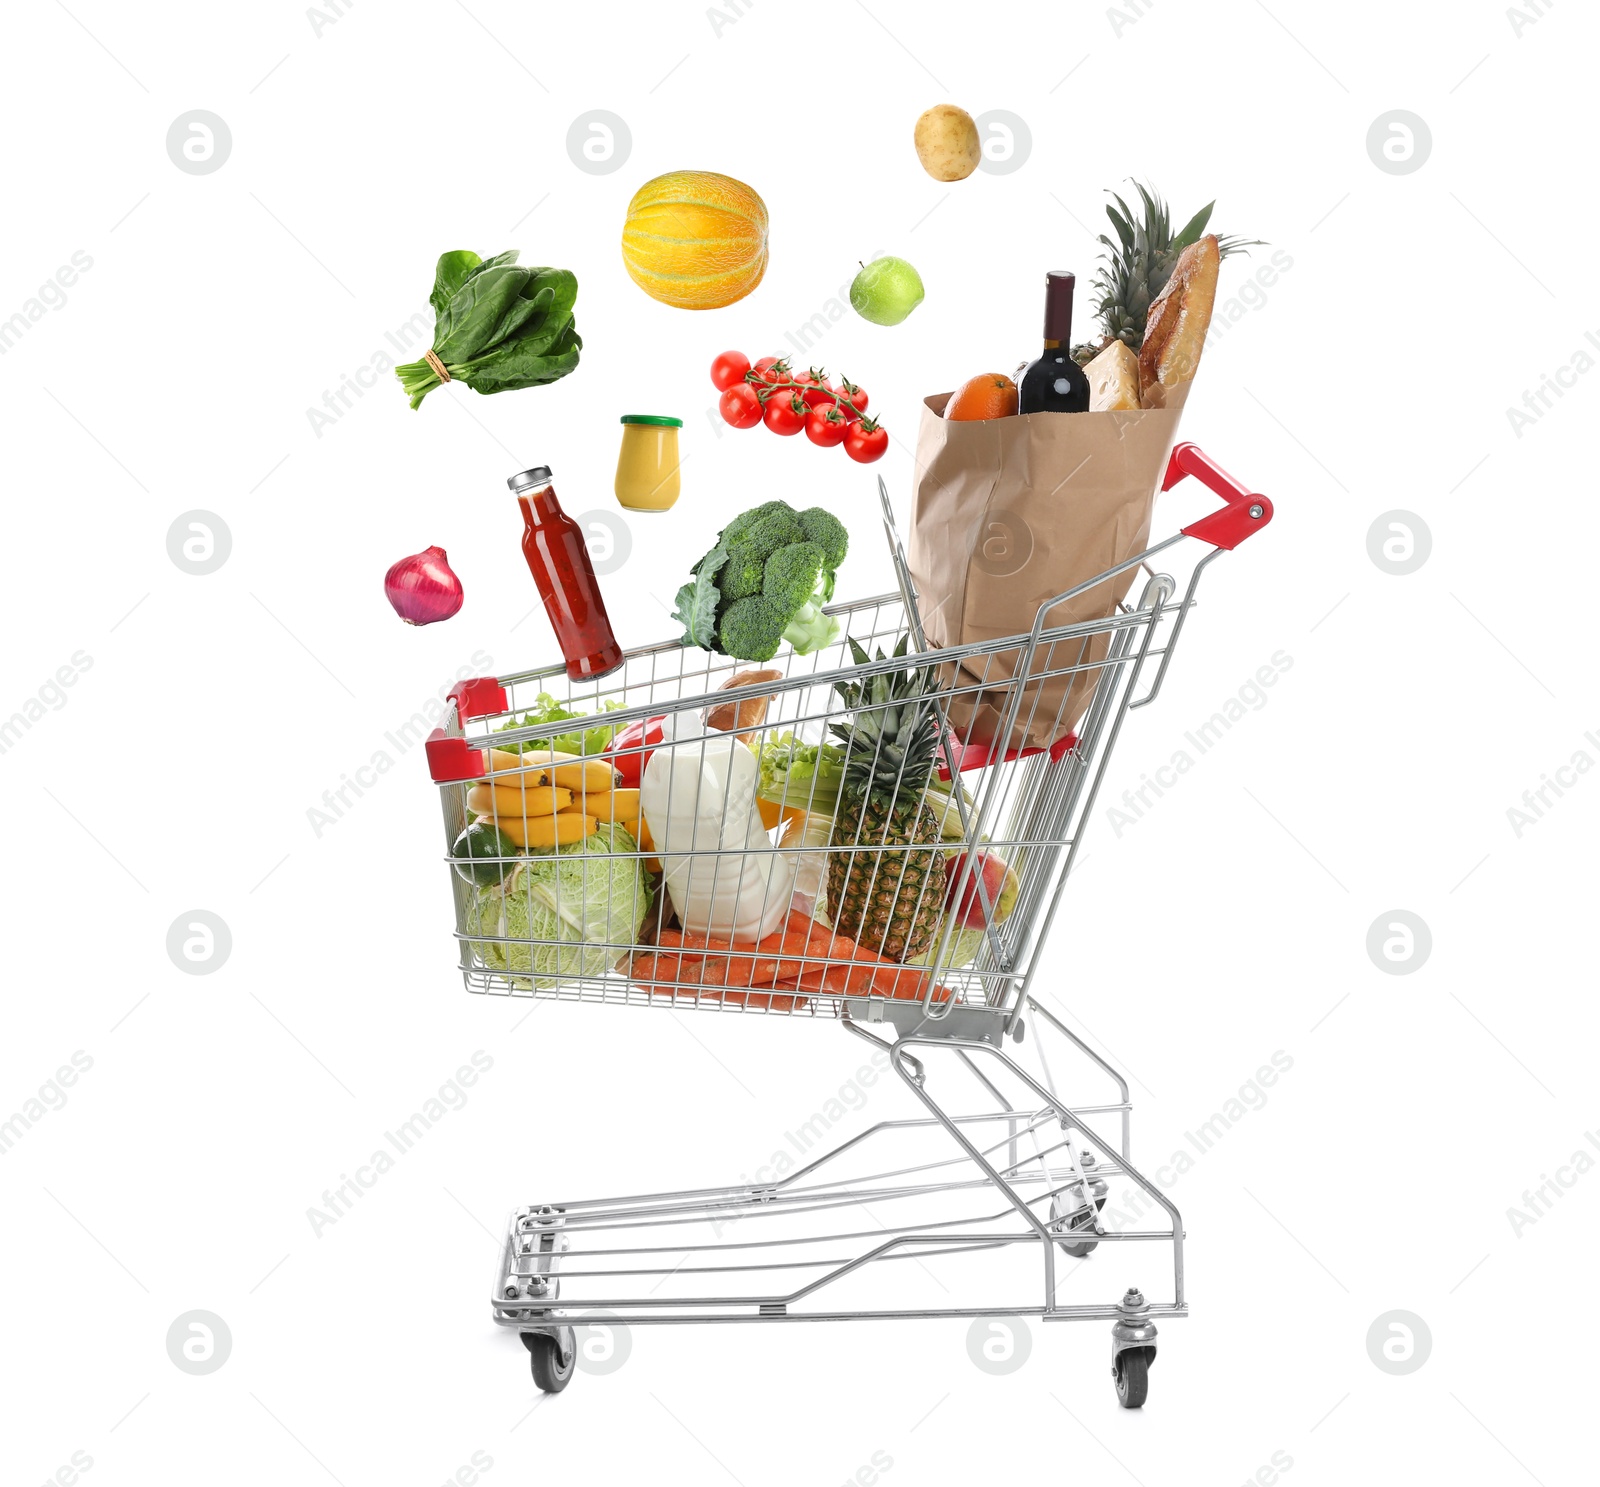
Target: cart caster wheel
x,y
552,1358
1131,1372
1086,1247
1084,1219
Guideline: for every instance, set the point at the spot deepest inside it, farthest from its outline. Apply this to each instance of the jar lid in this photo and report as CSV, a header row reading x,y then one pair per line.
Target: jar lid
x,y
653,418
526,479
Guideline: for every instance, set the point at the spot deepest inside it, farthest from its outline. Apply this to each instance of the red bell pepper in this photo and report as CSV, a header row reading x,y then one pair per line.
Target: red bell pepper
x,y
630,749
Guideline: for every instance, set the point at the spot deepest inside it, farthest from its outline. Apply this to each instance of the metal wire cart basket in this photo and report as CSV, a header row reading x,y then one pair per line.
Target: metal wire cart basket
x,y
913,904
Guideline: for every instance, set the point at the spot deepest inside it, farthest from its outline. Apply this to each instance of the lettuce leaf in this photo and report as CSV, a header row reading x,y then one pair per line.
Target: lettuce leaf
x,y
594,739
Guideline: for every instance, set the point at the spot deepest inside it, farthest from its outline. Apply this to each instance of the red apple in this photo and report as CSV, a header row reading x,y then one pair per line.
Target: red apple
x,y
1000,889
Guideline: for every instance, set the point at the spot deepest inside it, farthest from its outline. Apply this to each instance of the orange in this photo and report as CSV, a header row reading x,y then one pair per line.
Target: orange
x,y
695,239
988,395
772,813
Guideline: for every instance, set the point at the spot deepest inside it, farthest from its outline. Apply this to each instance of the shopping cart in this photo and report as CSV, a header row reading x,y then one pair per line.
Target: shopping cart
x,y
963,1212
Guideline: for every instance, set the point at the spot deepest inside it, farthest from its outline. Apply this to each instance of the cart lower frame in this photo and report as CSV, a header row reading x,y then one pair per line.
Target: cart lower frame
x,y
1048,1164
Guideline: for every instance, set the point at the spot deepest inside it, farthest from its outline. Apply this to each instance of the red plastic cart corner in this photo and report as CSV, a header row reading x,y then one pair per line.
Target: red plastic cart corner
x,y
451,758
1245,513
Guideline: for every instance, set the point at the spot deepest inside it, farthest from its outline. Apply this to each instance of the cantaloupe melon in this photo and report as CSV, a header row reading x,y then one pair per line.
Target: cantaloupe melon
x,y
695,239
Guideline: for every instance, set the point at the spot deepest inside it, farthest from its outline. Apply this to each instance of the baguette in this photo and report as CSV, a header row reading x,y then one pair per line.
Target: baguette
x,y
742,717
1175,330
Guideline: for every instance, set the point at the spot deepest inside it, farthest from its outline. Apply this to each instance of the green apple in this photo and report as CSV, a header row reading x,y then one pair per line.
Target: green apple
x,y
886,291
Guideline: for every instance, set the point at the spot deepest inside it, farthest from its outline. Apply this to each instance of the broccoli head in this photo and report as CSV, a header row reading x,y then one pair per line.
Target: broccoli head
x,y
827,531
751,629
765,583
742,523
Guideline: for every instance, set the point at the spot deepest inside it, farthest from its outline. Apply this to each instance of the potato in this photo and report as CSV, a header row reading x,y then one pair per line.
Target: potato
x,y
947,143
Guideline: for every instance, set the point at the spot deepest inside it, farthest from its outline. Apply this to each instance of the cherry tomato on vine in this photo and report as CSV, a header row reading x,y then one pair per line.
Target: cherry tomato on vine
x,y
740,406
855,397
773,369
786,413
867,441
826,426
817,395
728,369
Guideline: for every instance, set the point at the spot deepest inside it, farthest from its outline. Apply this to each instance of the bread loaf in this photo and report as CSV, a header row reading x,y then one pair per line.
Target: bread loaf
x,y
1175,330
743,717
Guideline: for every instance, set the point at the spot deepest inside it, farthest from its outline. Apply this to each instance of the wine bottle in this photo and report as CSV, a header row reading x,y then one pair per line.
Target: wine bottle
x,y
1055,382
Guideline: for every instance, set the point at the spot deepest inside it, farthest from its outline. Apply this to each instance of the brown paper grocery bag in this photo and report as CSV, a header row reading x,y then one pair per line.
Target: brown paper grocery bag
x,y
1011,511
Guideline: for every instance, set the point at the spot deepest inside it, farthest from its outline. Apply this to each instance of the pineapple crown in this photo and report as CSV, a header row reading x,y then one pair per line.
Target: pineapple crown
x,y
893,732
1135,268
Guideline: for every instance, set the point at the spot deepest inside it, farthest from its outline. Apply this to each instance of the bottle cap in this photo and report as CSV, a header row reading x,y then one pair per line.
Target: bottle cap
x,y
527,479
1058,287
656,419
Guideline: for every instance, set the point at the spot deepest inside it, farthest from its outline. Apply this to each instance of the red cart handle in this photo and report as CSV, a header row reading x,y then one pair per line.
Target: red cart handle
x,y
1245,512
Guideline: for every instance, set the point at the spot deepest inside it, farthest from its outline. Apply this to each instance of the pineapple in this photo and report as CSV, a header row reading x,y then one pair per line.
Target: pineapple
x,y
1135,268
890,899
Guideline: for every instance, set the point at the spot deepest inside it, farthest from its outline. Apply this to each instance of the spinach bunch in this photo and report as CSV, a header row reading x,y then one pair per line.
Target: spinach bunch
x,y
497,326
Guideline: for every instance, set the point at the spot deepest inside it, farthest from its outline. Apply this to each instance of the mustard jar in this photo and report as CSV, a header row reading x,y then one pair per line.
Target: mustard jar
x,y
647,465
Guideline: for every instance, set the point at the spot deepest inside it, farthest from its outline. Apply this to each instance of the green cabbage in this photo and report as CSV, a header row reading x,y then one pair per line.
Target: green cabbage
x,y
962,950
568,911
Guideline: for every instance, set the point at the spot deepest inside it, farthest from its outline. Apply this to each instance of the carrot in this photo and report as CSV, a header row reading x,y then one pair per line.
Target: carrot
x,y
696,960
801,935
853,975
729,969
700,980
679,939
836,978
852,968
777,1003
666,967
904,983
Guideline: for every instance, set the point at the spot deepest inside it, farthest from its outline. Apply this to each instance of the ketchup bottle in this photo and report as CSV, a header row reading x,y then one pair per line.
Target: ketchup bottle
x,y
559,560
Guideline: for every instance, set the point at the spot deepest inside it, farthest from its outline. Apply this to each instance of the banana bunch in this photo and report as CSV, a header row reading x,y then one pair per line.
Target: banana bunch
x,y
545,798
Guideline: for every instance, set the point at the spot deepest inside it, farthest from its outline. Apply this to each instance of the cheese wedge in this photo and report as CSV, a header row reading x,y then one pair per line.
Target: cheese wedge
x,y
1113,380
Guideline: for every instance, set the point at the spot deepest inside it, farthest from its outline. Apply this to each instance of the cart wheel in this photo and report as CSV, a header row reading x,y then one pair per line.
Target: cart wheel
x,y
546,1355
1084,1220
1131,1372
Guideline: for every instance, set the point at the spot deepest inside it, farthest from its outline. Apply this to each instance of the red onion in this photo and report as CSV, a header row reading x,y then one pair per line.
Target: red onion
x,y
422,588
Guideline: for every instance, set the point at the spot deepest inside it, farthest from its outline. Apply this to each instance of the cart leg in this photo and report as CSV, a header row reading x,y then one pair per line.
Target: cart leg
x,y
911,1071
1068,1118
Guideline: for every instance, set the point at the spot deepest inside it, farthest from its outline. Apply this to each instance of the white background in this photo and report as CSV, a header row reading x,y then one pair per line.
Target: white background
x,y
1230,922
